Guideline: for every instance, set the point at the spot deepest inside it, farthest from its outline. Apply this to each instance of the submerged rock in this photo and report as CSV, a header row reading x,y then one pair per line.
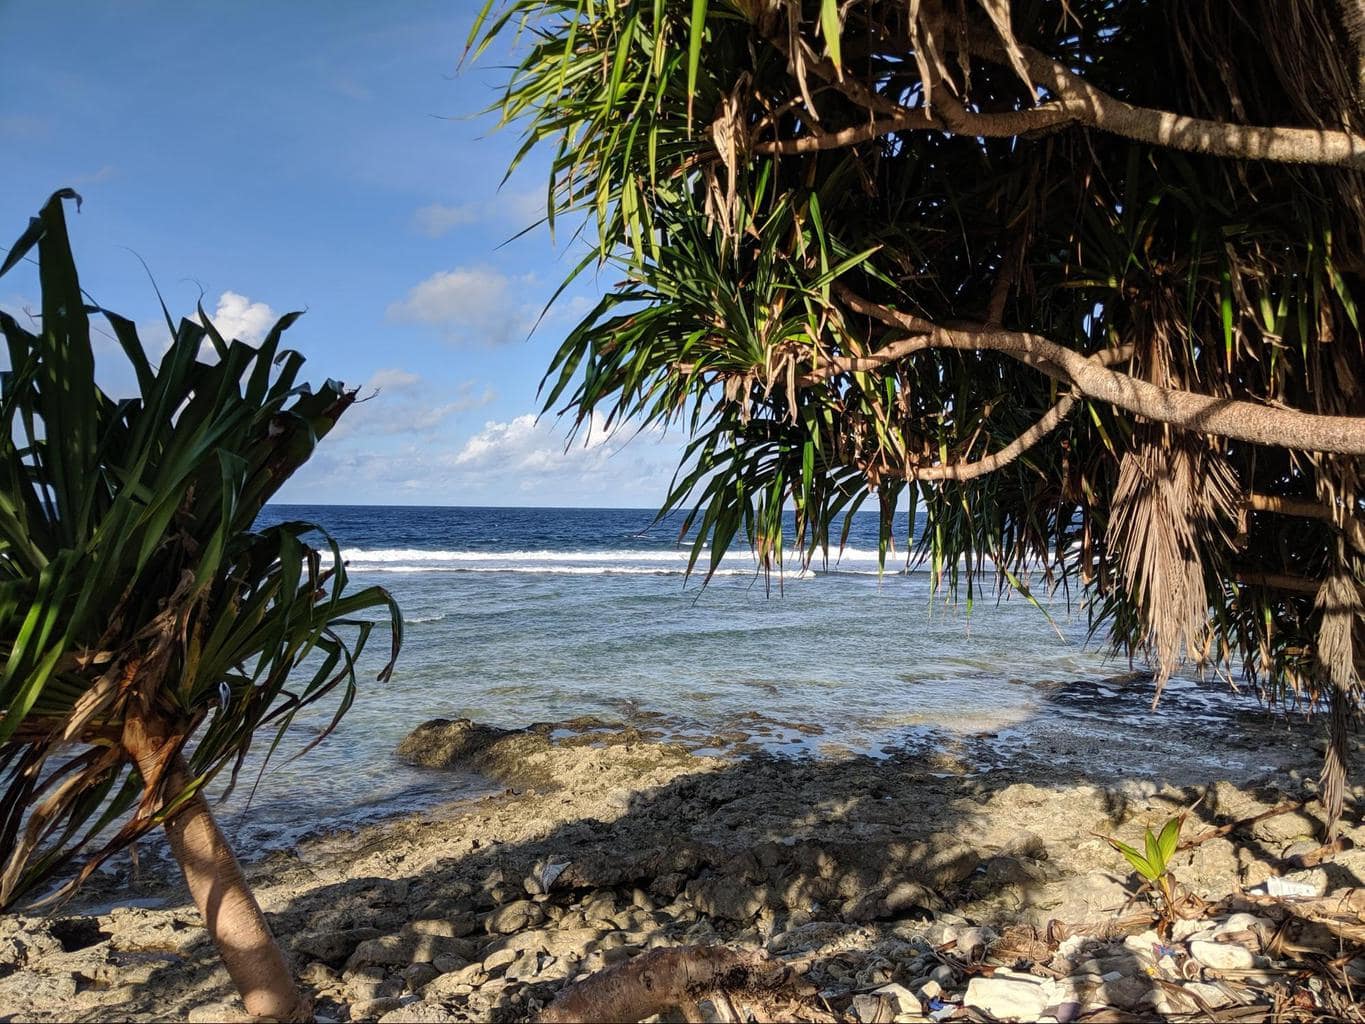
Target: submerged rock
x,y
462,743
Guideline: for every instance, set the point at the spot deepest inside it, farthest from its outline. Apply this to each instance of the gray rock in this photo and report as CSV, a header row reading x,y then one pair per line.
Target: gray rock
x,y
418,1013
408,948
32,989
442,743
373,1009
870,1009
728,898
514,917
332,947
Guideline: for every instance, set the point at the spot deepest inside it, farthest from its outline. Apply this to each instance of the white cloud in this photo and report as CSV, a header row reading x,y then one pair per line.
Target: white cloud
x,y
518,461
470,305
239,319
517,209
435,220
395,401
534,445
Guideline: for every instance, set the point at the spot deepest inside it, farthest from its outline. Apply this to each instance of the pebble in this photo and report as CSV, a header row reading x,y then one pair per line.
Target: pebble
x,y
514,917
944,975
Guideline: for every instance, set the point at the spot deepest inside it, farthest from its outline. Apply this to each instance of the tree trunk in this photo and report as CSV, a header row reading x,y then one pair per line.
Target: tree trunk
x,y
231,914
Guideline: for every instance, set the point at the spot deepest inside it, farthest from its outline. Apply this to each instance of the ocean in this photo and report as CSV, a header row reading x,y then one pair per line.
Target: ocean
x,y
514,616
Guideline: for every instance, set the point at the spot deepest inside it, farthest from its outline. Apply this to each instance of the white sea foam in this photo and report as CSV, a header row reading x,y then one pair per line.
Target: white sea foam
x,y
619,555
546,570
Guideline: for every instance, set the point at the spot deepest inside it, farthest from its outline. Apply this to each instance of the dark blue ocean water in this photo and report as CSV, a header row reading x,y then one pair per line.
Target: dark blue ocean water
x,y
514,616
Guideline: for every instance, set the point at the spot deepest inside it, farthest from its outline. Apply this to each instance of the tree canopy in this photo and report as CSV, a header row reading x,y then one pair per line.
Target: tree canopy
x,y
1079,279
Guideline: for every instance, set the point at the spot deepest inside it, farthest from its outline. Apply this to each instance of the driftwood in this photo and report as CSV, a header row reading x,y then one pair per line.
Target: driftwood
x,y
663,979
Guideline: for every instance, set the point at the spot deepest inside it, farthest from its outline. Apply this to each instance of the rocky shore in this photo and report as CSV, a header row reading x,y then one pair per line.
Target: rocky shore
x,y
909,886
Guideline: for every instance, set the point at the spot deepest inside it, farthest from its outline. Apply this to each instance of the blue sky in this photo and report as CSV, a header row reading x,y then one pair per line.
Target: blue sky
x,y
329,157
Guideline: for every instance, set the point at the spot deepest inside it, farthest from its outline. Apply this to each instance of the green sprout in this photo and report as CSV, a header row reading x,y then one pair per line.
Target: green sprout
x,y
1154,865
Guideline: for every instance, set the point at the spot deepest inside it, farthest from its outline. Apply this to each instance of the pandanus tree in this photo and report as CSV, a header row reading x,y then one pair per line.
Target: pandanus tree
x,y
1078,280
148,630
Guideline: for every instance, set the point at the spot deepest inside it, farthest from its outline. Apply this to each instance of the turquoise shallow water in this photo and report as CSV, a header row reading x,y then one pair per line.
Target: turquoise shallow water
x,y
515,616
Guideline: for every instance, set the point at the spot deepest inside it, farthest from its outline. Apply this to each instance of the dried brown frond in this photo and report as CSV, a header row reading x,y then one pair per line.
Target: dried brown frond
x,y
1172,499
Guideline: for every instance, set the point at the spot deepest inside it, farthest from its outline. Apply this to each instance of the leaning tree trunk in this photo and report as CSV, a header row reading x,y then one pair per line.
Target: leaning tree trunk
x,y
231,914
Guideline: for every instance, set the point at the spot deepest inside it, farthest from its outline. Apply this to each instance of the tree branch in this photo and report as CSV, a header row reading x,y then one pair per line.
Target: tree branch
x,y
1309,509
990,463
1076,102
1204,414
1090,106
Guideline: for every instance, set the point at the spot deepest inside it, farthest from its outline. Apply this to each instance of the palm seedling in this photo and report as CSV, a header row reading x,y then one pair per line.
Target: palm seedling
x,y
148,630
1153,865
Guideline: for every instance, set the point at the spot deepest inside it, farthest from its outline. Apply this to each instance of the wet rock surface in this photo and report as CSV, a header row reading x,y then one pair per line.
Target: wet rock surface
x,y
906,887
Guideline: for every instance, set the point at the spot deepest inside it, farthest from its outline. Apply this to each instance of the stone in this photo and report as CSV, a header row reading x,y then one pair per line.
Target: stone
x,y
30,988
462,743
1222,956
332,947
1007,998
944,975
514,917
408,948
899,998
871,1010
418,1013
971,941
500,958
729,898
456,927
1128,993
373,1009
416,976
217,1013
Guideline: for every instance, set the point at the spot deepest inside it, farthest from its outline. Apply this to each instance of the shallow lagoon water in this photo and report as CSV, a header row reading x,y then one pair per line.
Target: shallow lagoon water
x,y
514,616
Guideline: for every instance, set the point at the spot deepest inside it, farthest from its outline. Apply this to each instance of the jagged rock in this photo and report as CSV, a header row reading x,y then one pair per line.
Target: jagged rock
x,y
462,743
729,898
514,917
373,1009
30,988
1008,997
417,1013
455,927
416,976
409,948
446,984
332,947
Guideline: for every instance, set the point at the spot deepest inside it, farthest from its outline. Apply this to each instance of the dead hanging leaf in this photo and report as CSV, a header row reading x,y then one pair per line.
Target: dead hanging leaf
x,y
729,134
926,40
999,13
1174,499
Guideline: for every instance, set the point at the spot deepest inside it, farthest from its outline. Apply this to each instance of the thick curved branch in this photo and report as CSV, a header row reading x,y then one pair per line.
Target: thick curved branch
x,y
907,120
1049,422
1076,102
1279,581
1204,414
1093,107
1306,508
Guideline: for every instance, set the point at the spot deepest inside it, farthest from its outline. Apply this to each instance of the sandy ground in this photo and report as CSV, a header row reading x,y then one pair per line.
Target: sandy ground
x,y
609,840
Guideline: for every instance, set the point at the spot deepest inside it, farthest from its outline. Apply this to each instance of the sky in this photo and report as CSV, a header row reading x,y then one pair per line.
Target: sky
x,y
332,157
